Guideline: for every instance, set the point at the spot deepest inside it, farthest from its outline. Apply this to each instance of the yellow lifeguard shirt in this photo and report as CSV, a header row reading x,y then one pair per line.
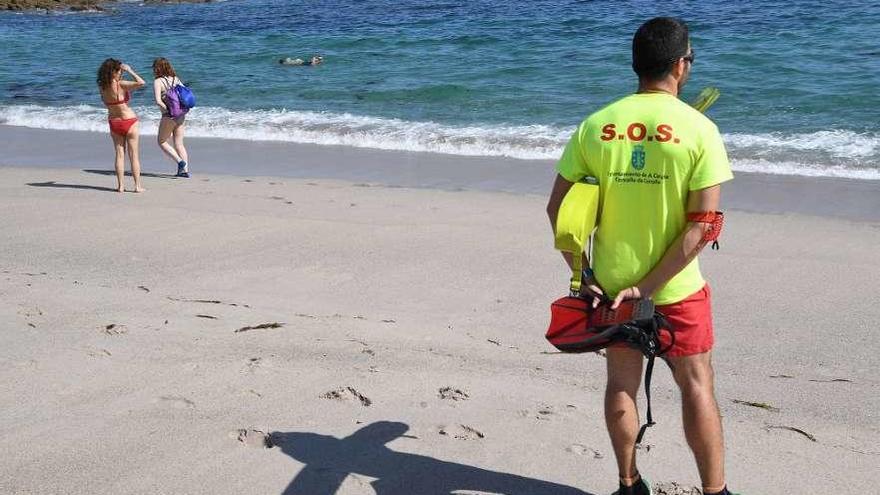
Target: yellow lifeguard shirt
x,y
648,150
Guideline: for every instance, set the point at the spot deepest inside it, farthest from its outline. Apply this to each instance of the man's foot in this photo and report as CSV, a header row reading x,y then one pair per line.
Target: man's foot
x,y
641,487
120,189
138,189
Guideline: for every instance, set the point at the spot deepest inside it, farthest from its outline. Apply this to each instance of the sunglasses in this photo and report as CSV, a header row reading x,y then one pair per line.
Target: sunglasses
x,y
690,57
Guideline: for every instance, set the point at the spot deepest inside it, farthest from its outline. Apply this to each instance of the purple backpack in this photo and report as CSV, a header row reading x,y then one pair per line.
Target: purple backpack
x,y
176,109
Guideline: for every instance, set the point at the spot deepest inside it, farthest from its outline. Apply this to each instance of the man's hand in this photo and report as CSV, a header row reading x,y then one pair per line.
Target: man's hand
x,y
682,251
591,289
625,294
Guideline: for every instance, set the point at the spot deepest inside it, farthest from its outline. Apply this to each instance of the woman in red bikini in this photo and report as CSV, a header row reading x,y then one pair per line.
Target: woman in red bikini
x,y
115,92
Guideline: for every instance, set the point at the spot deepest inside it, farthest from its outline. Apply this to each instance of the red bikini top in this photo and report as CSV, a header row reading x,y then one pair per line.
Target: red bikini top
x,y
119,102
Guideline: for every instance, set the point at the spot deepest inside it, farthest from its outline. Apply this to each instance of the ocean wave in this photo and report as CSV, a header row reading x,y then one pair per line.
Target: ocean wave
x,y
434,93
804,169
524,142
837,143
835,153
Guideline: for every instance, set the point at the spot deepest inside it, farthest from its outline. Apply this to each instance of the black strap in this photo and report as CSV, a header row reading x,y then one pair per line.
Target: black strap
x,y
651,349
646,340
169,84
648,372
604,337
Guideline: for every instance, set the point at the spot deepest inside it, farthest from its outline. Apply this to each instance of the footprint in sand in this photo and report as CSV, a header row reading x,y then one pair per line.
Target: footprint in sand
x,y
543,413
584,451
461,432
253,365
252,437
449,393
115,329
342,394
98,353
31,312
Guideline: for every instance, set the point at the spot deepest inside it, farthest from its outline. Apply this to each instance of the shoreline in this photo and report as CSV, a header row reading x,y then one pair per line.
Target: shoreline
x,y
849,199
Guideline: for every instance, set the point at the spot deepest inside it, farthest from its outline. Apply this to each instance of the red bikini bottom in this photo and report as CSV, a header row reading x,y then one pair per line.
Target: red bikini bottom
x,y
120,127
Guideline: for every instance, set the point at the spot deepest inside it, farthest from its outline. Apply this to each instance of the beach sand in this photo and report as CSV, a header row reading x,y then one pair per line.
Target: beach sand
x,y
410,355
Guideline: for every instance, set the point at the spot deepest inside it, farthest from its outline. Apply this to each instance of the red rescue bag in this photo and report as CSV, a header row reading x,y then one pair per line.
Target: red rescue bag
x,y
575,326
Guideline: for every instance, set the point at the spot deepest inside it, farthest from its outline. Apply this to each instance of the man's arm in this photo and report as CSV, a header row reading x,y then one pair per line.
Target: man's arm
x,y
560,189
682,251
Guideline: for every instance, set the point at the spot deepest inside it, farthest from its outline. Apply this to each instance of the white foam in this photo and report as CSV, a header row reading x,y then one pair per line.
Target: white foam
x,y
841,153
526,142
804,170
837,143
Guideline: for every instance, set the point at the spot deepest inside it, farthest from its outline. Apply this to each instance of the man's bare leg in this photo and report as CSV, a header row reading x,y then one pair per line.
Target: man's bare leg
x,y
624,367
702,421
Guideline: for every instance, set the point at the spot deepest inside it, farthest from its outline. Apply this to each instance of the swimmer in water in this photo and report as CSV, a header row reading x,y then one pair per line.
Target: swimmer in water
x,y
314,60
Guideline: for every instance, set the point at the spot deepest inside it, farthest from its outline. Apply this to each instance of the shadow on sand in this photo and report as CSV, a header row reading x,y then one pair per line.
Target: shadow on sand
x,y
52,183
329,460
128,173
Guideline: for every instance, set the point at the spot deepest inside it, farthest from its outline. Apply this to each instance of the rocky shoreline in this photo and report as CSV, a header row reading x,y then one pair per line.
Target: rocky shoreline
x,y
52,5
74,5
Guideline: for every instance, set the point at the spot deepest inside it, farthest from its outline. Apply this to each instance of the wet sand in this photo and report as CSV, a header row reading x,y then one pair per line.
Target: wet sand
x,y
762,193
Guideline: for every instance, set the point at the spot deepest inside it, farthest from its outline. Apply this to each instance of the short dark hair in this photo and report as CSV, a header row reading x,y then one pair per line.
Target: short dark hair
x,y
657,45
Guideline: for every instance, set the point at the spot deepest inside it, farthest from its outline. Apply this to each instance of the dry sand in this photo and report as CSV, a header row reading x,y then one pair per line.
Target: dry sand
x,y
411,357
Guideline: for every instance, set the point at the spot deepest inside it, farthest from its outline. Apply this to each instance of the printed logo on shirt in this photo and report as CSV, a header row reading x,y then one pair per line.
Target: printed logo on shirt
x,y
638,157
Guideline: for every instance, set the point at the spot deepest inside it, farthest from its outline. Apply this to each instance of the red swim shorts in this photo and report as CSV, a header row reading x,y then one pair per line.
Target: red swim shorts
x,y
691,320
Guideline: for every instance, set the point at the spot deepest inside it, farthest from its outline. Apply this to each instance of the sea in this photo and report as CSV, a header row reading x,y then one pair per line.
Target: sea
x,y
800,80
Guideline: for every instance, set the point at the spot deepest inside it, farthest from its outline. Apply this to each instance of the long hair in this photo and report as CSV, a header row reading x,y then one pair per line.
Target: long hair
x,y
162,68
106,72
